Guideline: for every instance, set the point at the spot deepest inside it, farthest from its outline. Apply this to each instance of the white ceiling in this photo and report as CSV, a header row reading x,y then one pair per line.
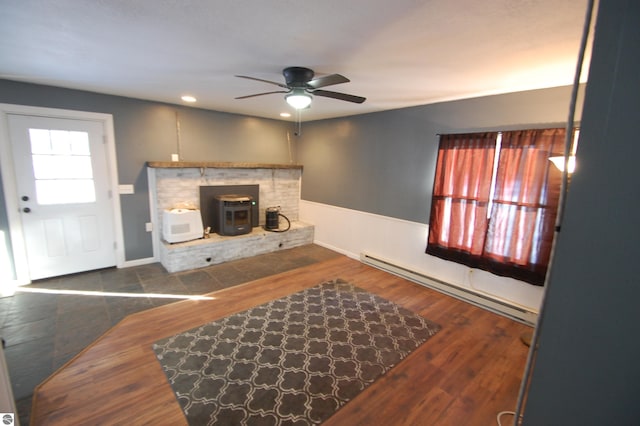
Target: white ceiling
x,y
397,53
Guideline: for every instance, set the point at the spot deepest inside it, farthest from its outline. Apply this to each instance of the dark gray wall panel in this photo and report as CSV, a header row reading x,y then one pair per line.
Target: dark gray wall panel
x,y
383,163
587,370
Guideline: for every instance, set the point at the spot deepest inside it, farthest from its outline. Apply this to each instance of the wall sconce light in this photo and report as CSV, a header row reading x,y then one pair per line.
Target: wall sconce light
x,y
559,163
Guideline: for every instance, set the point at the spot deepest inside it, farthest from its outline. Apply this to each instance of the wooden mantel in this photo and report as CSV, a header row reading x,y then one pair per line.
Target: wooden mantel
x,y
218,165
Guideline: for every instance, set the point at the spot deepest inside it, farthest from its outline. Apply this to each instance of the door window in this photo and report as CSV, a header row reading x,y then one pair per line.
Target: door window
x,y
62,167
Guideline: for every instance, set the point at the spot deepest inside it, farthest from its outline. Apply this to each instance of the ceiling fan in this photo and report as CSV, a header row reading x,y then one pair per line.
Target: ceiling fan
x,y
300,85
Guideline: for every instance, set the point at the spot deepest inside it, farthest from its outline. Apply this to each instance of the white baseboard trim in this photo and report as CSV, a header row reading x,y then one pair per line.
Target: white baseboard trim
x,y
337,249
138,262
403,243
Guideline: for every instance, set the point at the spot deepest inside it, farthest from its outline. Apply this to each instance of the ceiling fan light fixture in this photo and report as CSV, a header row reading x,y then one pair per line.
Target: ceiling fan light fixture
x,y
298,99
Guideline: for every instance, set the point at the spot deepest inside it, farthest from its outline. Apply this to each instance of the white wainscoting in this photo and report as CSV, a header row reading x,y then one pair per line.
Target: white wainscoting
x,y
403,243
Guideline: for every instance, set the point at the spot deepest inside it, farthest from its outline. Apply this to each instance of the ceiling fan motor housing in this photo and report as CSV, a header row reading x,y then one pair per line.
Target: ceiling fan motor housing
x,y
297,76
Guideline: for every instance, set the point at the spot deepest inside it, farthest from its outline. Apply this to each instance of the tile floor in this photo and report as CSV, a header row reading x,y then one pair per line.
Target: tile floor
x,y
43,331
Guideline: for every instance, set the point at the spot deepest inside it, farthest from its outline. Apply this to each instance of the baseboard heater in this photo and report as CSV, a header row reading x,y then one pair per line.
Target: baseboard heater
x,y
501,307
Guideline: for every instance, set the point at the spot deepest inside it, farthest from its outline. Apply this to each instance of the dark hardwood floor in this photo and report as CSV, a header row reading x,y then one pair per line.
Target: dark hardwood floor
x,y
464,375
48,322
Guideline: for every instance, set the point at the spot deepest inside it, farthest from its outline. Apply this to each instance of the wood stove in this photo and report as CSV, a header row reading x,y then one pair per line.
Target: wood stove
x,y
232,214
208,202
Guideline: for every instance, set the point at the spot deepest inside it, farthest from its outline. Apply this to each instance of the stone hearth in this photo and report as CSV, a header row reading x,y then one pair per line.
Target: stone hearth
x,y
171,183
217,249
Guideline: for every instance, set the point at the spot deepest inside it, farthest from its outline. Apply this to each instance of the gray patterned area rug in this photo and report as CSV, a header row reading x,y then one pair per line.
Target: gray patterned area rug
x,y
294,360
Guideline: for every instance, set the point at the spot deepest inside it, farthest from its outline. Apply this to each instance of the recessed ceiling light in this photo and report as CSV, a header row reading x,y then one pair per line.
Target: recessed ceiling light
x,y
188,98
285,114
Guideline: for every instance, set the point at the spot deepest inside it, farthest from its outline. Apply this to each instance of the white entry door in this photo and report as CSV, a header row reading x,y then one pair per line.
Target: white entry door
x,y
62,182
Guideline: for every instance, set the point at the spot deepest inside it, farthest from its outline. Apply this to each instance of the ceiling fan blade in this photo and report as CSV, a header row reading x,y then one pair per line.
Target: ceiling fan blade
x,y
261,94
340,96
327,80
264,81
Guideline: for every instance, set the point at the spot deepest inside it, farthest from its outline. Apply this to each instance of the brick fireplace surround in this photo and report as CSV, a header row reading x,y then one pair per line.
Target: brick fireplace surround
x,y
171,183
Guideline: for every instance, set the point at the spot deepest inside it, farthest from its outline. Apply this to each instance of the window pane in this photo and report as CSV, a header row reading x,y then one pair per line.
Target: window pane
x,y
60,142
79,143
62,167
65,191
40,141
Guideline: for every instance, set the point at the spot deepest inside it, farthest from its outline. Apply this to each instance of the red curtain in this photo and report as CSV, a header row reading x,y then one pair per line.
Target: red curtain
x,y
514,238
461,192
525,204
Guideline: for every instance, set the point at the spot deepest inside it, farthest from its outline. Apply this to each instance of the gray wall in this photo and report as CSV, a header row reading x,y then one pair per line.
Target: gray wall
x,y
587,371
380,163
383,163
146,131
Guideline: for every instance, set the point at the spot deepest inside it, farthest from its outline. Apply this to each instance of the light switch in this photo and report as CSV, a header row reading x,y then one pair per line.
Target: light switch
x,y
125,189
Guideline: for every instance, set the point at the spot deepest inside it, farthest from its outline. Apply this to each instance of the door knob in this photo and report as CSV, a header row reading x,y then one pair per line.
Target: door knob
x,y
26,210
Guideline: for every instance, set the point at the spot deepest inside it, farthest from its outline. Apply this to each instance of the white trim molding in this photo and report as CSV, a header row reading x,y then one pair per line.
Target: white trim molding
x,y
402,243
9,183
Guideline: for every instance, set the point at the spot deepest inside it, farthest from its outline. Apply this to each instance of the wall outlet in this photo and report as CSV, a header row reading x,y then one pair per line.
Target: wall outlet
x,y
148,226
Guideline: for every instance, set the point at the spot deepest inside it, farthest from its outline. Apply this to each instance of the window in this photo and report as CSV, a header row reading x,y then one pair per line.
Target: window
x,y
62,166
495,200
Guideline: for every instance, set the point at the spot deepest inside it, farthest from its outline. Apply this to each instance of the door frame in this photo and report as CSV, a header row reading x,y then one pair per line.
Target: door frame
x,y
21,264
